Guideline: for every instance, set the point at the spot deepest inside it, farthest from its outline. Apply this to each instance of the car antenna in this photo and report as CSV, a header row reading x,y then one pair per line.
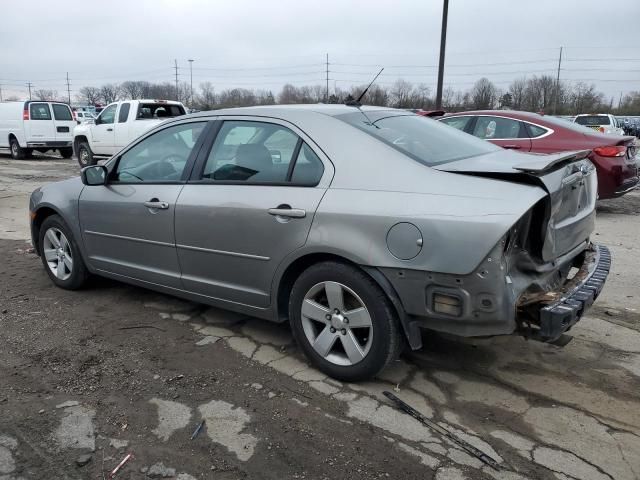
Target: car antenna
x,y
356,103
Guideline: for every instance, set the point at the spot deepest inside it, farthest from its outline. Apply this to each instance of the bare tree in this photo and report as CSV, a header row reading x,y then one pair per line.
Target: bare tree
x,y
401,94
131,89
289,94
90,95
110,92
207,97
46,95
517,90
483,94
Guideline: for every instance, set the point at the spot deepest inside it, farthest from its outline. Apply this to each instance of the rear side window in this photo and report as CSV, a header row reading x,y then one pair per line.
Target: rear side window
x,y
158,110
39,111
308,169
457,122
61,112
535,131
124,112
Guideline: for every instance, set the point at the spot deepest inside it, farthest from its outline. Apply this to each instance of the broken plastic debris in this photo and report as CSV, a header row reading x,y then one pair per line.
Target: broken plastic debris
x,y
197,430
120,465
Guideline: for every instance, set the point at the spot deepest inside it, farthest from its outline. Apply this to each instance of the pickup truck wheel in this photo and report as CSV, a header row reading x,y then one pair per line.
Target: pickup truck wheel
x,y
85,155
17,152
66,152
343,321
60,254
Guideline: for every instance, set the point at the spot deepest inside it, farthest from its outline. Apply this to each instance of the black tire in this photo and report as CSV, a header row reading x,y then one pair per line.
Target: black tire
x,y
79,273
85,155
66,152
17,152
386,337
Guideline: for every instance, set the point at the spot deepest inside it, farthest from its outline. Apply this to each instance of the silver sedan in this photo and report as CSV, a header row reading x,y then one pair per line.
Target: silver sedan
x,y
358,225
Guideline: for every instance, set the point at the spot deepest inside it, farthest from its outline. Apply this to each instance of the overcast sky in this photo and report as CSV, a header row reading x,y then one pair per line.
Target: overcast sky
x,y
266,43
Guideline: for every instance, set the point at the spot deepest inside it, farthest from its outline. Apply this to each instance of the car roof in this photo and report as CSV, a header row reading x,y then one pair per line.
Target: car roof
x,y
284,110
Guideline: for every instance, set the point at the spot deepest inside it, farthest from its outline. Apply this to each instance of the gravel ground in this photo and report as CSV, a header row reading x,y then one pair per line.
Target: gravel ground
x,y
89,376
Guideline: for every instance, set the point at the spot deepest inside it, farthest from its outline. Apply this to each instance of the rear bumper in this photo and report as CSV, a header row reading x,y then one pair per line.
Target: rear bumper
x,y
49,144
575,298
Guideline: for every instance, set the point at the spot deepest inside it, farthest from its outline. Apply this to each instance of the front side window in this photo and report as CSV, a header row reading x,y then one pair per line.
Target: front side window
x,y
124,112
457,122
108,115
423,139
252,152
490,128
39,111
162,157
61,112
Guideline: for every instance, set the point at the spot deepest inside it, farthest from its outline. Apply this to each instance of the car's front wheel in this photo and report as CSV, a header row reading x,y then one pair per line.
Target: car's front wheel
x,y
343,321
85,155
60,254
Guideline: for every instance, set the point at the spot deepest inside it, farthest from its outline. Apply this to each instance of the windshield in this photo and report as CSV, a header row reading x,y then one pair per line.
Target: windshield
x,y
421,138
595,120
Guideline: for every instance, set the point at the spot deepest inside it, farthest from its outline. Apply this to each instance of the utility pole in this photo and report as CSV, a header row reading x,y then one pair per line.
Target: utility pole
x,y
29,84
0,92
175,61
68,89
326,97
443,42
555,101
191,78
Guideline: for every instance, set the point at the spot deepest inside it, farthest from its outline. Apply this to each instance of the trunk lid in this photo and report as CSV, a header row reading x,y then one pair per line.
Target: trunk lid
x,y
571,184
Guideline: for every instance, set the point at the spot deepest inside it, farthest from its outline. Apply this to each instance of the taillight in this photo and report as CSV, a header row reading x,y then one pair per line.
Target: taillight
x,y
75,118
611,151
25,114
601,129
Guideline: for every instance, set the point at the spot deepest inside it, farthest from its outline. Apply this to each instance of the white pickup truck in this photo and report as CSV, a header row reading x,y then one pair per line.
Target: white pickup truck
x,y
118,124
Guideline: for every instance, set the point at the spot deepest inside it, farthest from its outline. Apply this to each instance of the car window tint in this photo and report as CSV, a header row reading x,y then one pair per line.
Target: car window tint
x,y
252,152
39,111
496,127
124,112
108,114
308,168
457,122
593,120
161,157
61,112
535,131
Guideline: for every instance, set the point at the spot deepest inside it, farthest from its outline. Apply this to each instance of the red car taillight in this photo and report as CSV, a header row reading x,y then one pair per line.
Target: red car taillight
x,y
601,129
75,118
611,151
25,114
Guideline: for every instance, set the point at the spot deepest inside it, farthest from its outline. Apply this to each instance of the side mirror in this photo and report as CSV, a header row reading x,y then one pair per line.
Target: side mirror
x,y
94,175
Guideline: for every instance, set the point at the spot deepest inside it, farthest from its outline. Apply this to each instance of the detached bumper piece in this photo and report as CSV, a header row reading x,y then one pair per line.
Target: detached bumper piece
x,y
586,285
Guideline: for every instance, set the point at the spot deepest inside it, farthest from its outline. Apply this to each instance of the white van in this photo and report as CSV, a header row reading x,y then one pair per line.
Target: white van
x,y
36,125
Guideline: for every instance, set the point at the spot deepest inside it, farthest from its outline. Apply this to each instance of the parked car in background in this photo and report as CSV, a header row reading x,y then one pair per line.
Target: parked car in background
x,y
613,155
601,122
118,124
39,126
359,226
83,116
634,127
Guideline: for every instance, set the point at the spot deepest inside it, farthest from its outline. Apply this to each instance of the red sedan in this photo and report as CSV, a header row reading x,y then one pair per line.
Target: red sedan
x,y
613,155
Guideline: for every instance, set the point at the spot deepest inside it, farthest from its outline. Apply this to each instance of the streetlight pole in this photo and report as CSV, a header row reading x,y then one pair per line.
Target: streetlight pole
x,y
443,41
191,78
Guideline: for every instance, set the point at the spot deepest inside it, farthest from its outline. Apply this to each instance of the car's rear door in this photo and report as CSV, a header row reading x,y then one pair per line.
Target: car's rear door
x,y
250,203
40,127
505,132
128,224
102,132
63,122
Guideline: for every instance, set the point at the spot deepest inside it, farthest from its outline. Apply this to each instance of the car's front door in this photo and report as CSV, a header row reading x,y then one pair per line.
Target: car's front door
x,y
505,132
102,132
249,204
128,224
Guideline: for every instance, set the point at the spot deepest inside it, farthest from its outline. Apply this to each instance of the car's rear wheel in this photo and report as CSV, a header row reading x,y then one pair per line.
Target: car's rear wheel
x,y
17,152
60,254
343,321
66,152
85,155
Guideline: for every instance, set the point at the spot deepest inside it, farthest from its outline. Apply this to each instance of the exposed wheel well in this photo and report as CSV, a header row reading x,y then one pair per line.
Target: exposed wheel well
x,y
12,136
41,214
77,140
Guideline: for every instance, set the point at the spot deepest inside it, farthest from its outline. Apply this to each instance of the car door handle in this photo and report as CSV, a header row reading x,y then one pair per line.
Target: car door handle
x,y
109,129
156,204
287,211
512,147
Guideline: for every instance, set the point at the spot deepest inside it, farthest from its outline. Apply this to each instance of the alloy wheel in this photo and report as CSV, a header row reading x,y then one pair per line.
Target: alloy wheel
x,y
57,252
337,323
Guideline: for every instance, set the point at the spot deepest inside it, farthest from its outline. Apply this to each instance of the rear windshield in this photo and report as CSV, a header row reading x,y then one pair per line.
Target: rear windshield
x,y
61,112
39,111
426,140
158,110
593,120
564,123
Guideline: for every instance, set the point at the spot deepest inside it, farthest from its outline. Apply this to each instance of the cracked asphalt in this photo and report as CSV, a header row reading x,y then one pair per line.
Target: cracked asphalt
x,y
87,377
